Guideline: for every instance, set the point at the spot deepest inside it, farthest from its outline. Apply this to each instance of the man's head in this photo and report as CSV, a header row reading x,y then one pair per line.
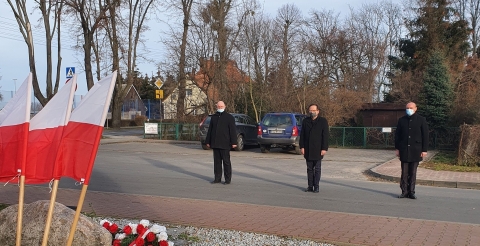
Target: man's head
x,y
411,108
313,110
220,106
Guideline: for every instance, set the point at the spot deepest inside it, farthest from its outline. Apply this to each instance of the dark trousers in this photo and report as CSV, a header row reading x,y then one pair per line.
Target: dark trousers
x,y
314,170
409,176
219,156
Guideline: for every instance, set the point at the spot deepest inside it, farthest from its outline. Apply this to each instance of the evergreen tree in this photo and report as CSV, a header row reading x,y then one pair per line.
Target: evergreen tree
x,y
437,93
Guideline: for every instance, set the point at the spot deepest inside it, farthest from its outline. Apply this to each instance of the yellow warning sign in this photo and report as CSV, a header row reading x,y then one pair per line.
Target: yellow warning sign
x,y
159,94
159,83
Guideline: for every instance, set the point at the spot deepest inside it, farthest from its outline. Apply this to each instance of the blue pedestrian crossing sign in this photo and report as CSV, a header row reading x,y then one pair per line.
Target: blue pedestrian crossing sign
x,y
70,72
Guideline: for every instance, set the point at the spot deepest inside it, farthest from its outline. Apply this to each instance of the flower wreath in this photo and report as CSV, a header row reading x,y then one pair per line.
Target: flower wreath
x,y
137,234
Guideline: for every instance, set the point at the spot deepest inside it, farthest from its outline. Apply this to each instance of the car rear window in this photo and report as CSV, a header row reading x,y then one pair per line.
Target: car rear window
x,y
277,120
207,120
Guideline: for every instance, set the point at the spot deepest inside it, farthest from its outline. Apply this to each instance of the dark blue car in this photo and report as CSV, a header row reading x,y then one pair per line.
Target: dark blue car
x,y
280,130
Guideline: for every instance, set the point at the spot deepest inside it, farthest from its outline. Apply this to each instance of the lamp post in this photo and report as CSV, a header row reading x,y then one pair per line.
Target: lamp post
x,y
15,82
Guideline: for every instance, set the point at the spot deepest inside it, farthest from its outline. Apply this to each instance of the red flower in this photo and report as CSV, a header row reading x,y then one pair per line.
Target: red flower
x,y
163,243
127,230
106,225
116,242
113,228
150,237
141,229
139,241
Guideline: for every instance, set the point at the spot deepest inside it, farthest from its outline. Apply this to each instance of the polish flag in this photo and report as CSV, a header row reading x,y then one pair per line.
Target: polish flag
x,y
82,134
45,135
14,121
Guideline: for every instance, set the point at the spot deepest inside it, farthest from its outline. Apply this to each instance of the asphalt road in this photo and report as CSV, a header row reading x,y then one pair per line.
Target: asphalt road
x,y
277,178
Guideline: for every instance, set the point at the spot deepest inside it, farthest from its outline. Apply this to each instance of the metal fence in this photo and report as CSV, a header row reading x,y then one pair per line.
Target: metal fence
x,y
340,137
384,137
176,131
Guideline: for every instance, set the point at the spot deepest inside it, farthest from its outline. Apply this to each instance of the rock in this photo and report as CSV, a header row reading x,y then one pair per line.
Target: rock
x,y
34,217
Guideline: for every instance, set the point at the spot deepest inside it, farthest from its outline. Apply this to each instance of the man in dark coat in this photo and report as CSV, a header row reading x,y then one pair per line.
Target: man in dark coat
x,y
314,145
221,137
411,144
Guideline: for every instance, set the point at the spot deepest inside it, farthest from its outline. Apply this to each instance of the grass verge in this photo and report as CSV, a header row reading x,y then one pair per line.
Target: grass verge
x,y
447,161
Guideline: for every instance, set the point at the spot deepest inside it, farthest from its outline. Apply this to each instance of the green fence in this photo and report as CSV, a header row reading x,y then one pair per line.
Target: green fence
x,y
174,131
384,137
348,137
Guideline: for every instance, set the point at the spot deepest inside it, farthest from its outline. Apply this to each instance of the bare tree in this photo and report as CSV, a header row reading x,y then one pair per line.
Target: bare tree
x,y
128,18
51,11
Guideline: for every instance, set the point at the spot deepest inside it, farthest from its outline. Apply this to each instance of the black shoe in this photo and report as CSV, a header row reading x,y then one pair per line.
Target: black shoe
x,y
412,196
215,182
309,189
403,195
316,190
227,182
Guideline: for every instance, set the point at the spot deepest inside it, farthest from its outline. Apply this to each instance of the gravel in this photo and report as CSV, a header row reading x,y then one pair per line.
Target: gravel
x,y
196,236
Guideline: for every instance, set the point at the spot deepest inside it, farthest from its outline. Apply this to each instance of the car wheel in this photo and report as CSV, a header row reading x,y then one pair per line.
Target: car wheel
x,y
265,148
298,151
205,147
240,143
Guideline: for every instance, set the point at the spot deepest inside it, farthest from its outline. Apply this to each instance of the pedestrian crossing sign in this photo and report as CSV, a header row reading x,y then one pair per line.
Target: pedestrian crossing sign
x,y
70,72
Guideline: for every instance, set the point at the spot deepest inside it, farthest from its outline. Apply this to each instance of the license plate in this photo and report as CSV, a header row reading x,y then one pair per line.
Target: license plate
x,y
276,131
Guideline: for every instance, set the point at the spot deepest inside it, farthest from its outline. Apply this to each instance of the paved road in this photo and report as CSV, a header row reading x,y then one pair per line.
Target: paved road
x,y
278,178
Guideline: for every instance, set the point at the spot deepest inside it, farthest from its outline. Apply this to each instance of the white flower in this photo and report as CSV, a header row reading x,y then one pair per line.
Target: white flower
x,y
105,221
162,236
120,236
170,243
145,223
156,228
134,228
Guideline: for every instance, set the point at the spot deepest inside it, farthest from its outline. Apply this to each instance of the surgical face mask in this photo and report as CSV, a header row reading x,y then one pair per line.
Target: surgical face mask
x,y
220,110
313,114
409,111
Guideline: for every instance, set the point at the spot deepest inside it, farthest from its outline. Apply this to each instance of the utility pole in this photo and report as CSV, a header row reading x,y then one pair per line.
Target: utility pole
x,y
15,82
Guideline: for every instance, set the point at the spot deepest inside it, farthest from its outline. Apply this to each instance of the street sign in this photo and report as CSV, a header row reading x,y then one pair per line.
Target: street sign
x,y
159,83
159,94
70,72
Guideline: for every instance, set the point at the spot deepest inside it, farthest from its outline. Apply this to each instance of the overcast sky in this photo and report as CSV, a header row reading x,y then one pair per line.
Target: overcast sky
x,y
14,58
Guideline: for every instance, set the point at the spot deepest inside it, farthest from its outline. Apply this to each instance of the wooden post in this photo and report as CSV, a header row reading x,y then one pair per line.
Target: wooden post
x,y
20,210
77,215
51,208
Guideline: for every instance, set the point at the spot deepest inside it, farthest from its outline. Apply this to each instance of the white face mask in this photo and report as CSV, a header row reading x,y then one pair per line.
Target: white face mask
x,y
220,110
409,111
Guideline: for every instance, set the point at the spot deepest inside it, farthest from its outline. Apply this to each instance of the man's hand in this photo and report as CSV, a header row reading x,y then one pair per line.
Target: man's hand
x,y
303,151
234,146
323,152
397,153
423,154
208,145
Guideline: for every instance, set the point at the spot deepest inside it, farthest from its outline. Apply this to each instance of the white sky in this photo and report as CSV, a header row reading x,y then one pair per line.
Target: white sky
x,y
14,58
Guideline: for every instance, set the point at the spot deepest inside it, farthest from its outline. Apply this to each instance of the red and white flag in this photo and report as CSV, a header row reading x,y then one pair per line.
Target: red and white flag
x,y
82,134
14,121
45,135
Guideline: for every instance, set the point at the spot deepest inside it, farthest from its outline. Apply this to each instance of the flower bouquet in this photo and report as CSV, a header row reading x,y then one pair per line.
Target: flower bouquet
x,y
141,234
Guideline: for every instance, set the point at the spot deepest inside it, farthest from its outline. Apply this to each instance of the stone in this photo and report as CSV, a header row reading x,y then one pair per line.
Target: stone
x,y
88,232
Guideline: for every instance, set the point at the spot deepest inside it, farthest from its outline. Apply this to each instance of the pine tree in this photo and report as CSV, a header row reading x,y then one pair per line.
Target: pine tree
x,y
437,93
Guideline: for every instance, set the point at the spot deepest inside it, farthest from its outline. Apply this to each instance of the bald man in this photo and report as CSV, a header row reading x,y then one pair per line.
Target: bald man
x,y
411,144
221,137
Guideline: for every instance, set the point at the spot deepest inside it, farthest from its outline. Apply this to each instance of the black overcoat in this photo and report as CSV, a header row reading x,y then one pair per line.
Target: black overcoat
x,y
411,137
314,137
222,133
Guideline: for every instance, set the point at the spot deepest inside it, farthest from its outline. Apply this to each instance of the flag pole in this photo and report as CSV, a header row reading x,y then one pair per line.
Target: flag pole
x,y
51,208
77,214
20,210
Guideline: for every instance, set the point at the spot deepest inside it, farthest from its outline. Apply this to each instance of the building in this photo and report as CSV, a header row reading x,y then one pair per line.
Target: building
x,y
380,114
195,101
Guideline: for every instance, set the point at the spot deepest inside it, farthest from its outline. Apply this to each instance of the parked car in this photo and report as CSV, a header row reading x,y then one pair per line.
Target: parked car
x,y
280,130
246,131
